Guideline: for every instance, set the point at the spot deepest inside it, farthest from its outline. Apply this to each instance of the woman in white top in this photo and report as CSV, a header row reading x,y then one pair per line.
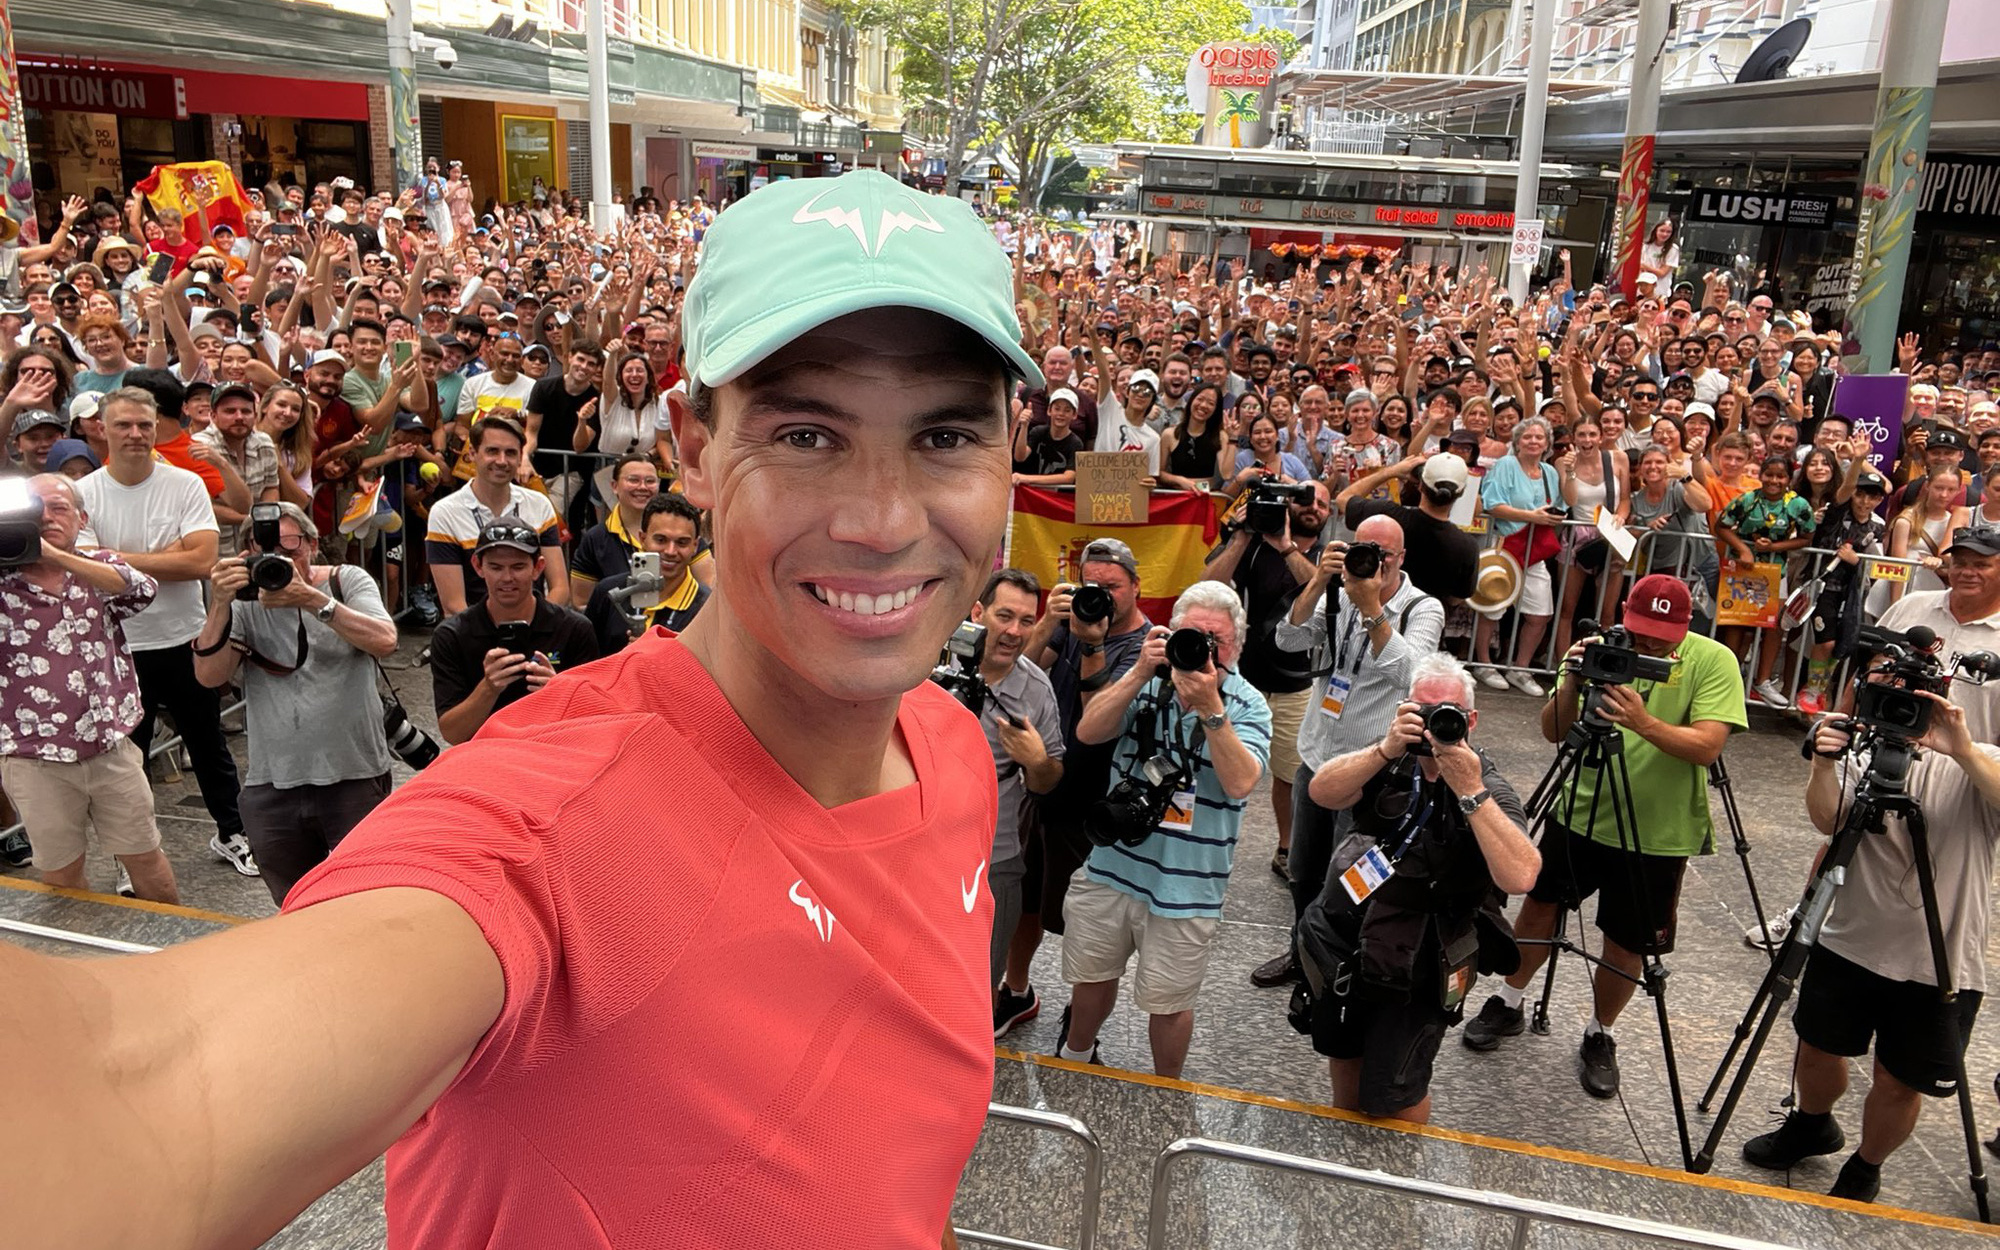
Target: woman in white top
x,y
626,418
1659,255
1921,532
1593,475
282,415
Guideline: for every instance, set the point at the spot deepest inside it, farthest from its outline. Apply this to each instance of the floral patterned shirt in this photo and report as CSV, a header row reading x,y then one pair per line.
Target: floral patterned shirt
x,y
67,687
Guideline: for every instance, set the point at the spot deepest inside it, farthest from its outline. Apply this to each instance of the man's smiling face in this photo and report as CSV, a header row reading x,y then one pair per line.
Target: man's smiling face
x,y
858,484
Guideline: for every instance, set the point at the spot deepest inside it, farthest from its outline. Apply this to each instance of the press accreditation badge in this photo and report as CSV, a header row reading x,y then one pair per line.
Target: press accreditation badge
x,y
1367,874
1179,817
1335,701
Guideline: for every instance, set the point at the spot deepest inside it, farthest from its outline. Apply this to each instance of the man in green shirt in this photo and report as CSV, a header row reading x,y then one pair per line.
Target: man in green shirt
x,y
1671,731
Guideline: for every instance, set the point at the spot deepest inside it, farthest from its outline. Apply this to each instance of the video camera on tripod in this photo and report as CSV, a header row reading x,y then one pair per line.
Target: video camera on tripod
x,y
1613,660
1890,710
1270,505
958,666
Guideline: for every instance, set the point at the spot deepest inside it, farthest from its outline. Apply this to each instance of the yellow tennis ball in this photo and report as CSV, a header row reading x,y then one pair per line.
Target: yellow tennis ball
x,y
428,472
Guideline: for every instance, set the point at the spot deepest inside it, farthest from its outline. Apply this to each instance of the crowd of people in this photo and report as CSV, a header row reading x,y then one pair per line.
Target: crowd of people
x,y
230,441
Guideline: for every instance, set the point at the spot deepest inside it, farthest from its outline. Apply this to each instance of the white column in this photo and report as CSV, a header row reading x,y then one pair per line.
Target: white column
x,y
603,214
1534,113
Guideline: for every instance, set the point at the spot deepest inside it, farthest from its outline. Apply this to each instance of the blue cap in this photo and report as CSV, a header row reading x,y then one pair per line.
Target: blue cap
x,y
64,450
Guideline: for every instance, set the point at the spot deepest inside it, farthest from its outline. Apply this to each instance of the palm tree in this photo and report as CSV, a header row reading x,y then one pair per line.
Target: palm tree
x,y
1237,107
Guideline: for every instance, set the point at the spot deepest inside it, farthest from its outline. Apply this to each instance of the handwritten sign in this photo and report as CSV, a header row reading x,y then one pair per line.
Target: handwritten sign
x,y
1111,488
1749,594
1887,571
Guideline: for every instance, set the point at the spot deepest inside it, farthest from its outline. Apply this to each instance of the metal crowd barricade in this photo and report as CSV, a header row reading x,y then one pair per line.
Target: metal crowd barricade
x,y
1525,1212
1093,1175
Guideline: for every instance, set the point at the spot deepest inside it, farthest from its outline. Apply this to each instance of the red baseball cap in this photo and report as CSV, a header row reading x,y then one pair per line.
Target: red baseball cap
x,y
1659,606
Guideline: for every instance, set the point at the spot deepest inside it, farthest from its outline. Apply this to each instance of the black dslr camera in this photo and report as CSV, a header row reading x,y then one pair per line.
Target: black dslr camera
x,y
1445,724
1270,504
269,568
1090,603
1362,560
1190,650
958,667
1133,809
20,523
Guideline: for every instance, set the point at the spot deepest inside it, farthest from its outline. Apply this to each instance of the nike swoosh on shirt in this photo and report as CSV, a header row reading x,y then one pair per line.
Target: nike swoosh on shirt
x,y
971,895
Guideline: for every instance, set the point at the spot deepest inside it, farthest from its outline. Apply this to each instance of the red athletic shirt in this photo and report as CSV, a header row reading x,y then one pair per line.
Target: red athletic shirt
x,y
733,1018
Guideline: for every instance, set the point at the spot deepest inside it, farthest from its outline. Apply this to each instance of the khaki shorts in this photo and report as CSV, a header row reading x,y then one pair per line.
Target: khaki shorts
x,y
1106,927
1288,711
60,802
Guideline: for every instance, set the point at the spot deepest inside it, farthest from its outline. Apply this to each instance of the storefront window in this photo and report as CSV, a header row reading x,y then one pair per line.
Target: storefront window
x,y
528,151
1953,294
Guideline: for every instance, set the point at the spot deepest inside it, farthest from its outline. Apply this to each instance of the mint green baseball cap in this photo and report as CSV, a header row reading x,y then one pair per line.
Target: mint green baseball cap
x,y
794,255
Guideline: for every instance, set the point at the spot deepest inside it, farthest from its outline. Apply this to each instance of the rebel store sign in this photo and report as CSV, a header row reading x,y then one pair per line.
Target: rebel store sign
x,y
1753,208
63,88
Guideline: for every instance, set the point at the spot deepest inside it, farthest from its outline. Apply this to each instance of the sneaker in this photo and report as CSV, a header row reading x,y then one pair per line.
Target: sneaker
x,y
1276,971
1599,1058
1772,694
1812,701
429,611
1010,1009
125,889
1489,677
15,851
235,851
1773,932
1494,1021
1526,685
1281,863
1801,1136
1859,1180
1062,1040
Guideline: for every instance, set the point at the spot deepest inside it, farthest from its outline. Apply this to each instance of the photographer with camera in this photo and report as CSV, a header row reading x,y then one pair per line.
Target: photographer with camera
x,y
319,760
508,644
1671,728
1086,639
1017,709
1391,945
1191,737
1870,979
66,753
1268,565
1363,638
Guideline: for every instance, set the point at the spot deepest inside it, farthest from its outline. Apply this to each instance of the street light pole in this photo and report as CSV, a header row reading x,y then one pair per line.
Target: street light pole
x,y
405,134
602,210
1534,114
1892,183
1642,121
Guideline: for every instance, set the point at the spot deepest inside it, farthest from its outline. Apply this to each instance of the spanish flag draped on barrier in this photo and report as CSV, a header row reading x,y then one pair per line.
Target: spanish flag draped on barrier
x,y
1044,538
204,192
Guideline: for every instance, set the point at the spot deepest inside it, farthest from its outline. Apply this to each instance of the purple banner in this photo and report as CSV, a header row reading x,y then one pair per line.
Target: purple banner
x,y
1873,404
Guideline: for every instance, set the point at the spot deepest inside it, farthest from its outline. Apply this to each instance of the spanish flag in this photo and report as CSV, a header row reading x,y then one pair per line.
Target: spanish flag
x,y
204,192
1044,538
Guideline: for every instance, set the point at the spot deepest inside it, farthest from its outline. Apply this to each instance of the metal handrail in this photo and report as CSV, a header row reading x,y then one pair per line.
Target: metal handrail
x,y
1526,1211
76,939
1093,1175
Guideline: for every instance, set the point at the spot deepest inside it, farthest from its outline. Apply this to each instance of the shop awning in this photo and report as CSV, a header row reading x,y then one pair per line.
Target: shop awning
x,y
1423,95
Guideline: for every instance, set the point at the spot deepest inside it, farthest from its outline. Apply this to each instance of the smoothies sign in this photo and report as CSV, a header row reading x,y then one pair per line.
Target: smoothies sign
x,y
1234,87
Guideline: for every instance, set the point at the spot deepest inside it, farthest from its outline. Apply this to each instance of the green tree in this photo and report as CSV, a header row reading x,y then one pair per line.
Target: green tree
x,y
1031,77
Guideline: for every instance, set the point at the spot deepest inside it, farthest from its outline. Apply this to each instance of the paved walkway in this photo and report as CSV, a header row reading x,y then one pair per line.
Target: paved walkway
x,y
1263,1075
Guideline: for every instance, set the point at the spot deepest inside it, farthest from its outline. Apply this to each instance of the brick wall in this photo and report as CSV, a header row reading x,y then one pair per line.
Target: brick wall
x,y
225,141
382,162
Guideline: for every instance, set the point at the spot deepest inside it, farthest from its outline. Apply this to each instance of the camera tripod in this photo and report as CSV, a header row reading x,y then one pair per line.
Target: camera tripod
x,y
1593,745
1879,794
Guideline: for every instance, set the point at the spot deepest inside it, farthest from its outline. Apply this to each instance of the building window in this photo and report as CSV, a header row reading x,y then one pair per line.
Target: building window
x,y
810,82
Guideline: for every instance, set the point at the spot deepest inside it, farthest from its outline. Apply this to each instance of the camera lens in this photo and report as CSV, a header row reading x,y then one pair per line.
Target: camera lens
x,y
270,572
1090,603
1446,723
1363,560
1189,649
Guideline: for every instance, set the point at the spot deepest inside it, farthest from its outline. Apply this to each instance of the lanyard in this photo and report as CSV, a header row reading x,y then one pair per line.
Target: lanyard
x,y
1413,819
1351,618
